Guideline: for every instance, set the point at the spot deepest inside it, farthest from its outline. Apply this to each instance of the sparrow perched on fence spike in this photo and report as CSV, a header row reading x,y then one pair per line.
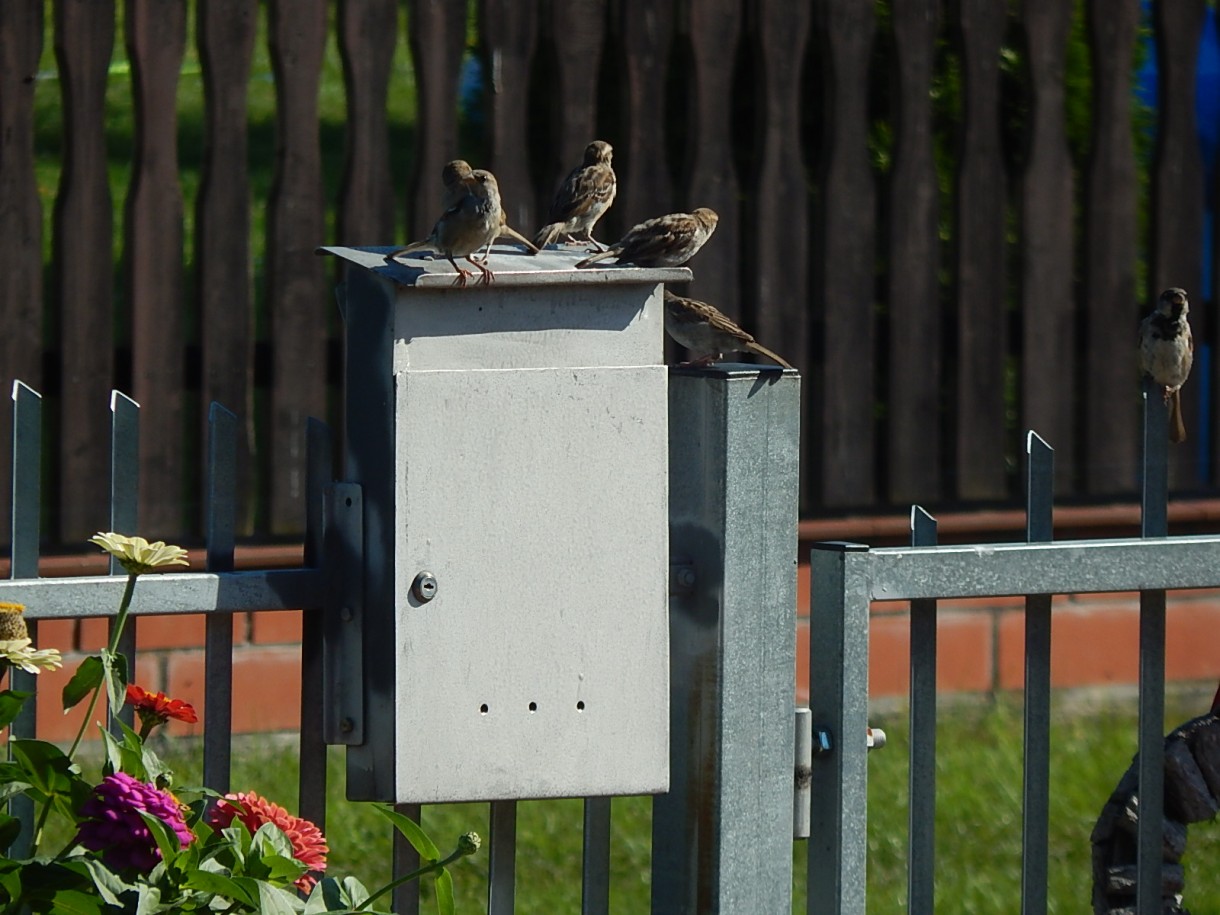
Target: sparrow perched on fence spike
x,y
666,241
703,328
1167,351
451,177
585,196
473,221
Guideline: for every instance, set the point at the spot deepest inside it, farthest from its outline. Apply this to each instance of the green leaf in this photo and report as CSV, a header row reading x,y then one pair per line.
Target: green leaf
x,y
166,838
414,834
87,678
10,827
221,885
74,902
45,766
108,884
444,892
149,900
11,701
275,901
123,756
115,664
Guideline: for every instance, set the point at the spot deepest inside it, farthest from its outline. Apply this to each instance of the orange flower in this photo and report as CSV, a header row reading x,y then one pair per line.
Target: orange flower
x,y
308,843
157,708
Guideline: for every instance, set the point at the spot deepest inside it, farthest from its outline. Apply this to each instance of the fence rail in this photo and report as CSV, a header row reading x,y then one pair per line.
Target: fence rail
x,y
934,210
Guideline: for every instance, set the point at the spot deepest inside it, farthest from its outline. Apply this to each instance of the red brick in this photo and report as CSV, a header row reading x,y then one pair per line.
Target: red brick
x,y
171,631
276,627
60,634
94,633
1095,644
1190,638
963,653
266,687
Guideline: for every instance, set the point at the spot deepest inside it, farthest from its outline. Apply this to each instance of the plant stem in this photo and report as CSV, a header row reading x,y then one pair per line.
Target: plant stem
x,y
414,875
119,622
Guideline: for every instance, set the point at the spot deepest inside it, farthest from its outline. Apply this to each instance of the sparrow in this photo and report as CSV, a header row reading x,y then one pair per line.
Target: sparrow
x,y
453,177
666,241
1167,351
473,221
702,328
586,194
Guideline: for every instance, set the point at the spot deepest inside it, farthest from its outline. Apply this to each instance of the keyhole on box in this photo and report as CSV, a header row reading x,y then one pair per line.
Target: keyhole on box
x,y
580,706
533,707
483,709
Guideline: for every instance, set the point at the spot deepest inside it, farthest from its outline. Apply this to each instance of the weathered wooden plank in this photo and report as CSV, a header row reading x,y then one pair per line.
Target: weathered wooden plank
x,y
297,291
776,221
578,30
225,31
20,218
1112,312
714,28
1178,198
509,30
1048,311
83,255
436,32
914,418
156,39
844,420
644,29
367,36
981,438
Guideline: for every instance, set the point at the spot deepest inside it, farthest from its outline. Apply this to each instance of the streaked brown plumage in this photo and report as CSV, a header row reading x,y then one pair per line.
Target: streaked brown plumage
x,y
473,221
583,199
666,241
1167,352
704,329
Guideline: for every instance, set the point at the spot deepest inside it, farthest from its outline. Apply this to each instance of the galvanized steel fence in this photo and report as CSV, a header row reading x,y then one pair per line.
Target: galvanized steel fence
x,y
739,767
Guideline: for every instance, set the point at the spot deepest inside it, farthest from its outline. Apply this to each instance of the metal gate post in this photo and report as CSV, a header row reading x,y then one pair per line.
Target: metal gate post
x,y
722,837
838,700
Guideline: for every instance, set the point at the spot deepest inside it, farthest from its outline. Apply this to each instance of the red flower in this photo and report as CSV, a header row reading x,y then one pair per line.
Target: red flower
x,y
157,708
308,843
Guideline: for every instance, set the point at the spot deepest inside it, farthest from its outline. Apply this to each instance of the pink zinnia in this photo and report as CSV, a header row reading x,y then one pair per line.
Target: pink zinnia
x,y
114,826
308,843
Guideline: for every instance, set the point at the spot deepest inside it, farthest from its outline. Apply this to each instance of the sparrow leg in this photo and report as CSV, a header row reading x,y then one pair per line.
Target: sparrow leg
x,y
701,362
462,275
487,277
597,245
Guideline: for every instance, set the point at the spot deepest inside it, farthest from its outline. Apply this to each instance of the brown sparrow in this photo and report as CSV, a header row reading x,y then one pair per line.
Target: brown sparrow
x,y
1167,351
472,222
666,241
586,194
453,177
702,328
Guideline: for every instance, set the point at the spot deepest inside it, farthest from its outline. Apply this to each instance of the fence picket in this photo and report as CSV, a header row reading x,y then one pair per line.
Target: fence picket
x,y
508,36
915,421
21,214
124,514
156,40
577,29
83,255
844,290
436,32
982,318
1110,254
225,35
218,632
1048,304
297,290
921,846
368,34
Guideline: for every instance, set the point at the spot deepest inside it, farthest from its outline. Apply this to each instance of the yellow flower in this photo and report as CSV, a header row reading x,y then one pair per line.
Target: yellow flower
x,y
12,626
137,555
18,653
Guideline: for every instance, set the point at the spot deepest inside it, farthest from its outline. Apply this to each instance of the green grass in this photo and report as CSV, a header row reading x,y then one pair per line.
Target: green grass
x,y
978,823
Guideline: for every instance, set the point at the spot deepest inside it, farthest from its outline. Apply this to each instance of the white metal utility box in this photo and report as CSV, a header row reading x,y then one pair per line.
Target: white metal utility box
x,y
511,447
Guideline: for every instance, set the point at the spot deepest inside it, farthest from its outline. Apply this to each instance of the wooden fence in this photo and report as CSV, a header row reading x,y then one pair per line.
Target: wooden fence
x,y
905,212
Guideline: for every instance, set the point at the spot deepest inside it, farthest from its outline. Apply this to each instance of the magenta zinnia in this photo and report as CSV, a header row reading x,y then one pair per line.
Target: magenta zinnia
x,y
114,826
308,843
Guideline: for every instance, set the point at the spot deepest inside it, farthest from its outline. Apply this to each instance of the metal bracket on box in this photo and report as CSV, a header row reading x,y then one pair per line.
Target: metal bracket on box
x,y
343,629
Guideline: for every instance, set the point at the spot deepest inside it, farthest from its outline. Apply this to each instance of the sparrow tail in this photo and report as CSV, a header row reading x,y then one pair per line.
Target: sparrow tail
x,y
414,246
547,234
600,255
514,234
1177,428
774,357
